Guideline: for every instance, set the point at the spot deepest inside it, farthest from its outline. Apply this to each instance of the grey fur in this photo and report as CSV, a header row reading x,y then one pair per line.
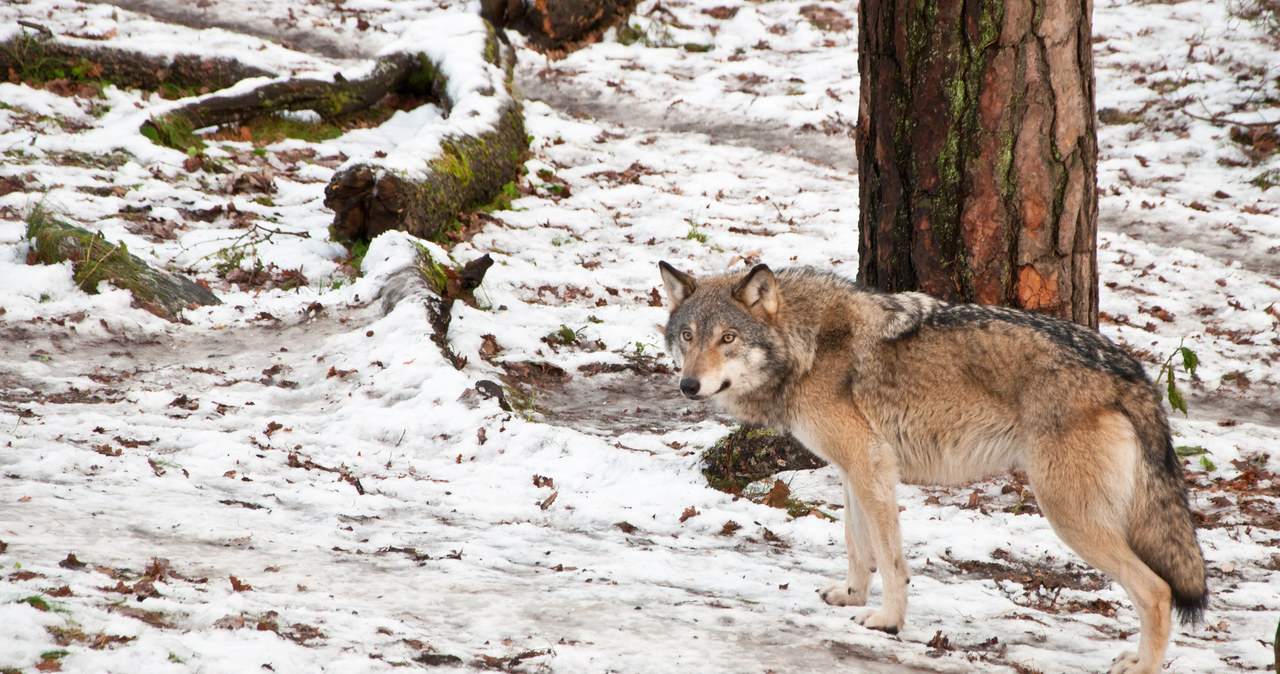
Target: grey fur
x,y
890,387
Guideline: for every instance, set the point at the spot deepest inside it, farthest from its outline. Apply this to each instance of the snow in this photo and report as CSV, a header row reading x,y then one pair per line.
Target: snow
x,y
455,43
372,521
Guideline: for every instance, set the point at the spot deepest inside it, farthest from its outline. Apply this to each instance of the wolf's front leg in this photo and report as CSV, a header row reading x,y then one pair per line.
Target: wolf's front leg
x,y
857,542
873,478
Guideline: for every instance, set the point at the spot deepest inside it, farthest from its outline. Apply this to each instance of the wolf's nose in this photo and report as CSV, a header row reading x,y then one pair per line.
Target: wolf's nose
x,y
689,386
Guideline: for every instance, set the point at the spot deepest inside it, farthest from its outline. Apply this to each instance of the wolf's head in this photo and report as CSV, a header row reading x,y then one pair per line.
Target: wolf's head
x,y
720,330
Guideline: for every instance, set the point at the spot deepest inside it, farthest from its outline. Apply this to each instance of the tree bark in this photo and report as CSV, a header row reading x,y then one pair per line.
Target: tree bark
x,y
437,285
977,152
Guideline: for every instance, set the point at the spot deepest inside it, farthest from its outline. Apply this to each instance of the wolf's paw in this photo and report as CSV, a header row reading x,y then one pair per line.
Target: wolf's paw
x,y
879,620
1127,663
840,594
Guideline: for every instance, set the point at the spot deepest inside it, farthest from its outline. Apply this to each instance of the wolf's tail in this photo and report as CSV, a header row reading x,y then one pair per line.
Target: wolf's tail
x,y
1161,529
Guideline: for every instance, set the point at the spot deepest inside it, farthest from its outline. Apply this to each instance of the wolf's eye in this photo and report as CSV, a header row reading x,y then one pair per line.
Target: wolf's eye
x,y
729,337
687,335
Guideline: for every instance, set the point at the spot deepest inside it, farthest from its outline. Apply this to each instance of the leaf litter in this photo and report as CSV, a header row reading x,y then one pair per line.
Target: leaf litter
x,y
377,485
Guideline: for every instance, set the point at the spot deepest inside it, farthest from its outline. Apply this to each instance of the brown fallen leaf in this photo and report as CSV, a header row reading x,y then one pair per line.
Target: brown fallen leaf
x,y
775,539
778,496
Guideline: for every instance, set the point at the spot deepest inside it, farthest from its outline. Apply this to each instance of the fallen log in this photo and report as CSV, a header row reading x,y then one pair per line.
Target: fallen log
x,y
452,165
39,56
95,260
254,98
436,283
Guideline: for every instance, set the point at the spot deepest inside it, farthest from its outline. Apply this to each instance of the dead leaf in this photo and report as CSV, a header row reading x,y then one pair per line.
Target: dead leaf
x,y
153,618
722,13
778,496
229,622
940,642
185,402
688,513
826,18
238,586
244,182
489,347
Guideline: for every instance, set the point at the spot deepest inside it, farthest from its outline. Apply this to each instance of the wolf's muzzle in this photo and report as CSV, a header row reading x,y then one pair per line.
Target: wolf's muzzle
x,y
689,387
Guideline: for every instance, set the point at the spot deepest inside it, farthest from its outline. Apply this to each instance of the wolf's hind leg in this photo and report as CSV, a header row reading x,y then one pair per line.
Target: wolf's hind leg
x,y
1083,479
857,541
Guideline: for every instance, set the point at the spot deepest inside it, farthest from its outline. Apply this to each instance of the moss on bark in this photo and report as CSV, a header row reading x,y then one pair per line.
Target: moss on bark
x,y
39,58
368,198
977,155
95,260
327,98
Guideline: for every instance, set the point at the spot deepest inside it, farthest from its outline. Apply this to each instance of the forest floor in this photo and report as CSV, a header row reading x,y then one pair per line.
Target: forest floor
x,y
297,480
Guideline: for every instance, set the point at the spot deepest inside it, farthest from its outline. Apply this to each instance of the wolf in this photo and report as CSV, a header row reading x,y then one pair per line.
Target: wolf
x,y
890,387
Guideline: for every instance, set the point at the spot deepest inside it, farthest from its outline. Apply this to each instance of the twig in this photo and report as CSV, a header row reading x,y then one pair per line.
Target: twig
x,y
1224,121
39,28
300,235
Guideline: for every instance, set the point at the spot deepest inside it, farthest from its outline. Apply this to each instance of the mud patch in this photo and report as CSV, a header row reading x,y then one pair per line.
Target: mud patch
x,y
614,403
1041,583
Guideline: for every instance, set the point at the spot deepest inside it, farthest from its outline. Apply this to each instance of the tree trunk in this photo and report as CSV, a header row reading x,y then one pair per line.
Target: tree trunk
x,y
977,152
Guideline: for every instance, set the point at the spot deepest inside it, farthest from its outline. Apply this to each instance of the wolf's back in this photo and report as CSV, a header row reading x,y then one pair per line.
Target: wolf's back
x,y
1161,528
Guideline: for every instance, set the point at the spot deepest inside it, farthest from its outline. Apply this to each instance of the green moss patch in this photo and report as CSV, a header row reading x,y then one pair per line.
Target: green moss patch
x,y
746,455
95,260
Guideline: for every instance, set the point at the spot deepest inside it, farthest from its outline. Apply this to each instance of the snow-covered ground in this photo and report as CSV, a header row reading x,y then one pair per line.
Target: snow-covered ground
x,y
296,481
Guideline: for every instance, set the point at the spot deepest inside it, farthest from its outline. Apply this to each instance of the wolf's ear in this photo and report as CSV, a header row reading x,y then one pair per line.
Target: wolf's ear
x,y
759,293
679,285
